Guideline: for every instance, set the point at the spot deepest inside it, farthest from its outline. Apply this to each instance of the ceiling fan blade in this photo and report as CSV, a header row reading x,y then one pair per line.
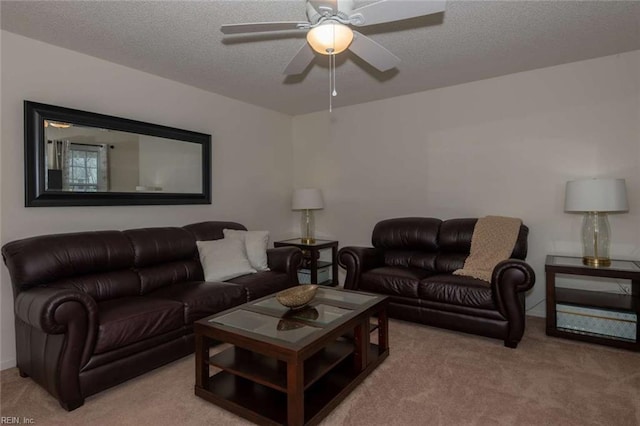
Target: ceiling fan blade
x,y
323,7
394,10
373,53
260,27
301,61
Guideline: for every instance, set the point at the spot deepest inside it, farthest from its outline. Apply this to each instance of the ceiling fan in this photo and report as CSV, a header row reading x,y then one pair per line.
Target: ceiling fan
x,y
329,29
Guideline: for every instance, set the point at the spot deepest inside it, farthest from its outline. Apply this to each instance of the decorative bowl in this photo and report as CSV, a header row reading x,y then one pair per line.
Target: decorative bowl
x,y
297,297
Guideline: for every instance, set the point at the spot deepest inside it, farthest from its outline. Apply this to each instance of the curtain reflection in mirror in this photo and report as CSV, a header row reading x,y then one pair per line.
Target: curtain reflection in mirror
x,y
77,167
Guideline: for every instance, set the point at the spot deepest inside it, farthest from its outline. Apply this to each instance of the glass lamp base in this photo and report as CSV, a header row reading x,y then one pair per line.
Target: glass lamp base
x,y
307,228
596,239
596,261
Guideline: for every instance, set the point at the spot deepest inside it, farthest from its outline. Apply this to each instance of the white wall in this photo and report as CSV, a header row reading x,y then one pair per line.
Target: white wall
x,y
251,148
500,146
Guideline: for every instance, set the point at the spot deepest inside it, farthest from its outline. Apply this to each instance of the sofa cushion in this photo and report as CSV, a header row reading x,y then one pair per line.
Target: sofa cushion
x,y
104,285
153,246
446,263
205,231
255,244
457,290
409,233
164,256
455,235
47,258
223,259
409,258
393,280
130,319
157,276
200,298
454,241
134,349
262,283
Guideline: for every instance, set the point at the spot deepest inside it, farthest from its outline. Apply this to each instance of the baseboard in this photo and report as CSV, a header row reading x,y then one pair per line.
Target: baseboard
x,y
6,364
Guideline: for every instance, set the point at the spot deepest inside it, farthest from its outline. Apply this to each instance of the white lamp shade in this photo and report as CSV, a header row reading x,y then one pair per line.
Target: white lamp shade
x,y
330,38
596,195
307,199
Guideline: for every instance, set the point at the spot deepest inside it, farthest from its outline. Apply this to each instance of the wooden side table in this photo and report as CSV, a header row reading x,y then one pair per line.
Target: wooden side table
x,y
613,302
311,253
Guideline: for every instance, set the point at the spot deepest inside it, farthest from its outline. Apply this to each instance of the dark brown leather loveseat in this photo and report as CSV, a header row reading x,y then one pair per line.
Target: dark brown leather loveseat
x,y
412,260
94,309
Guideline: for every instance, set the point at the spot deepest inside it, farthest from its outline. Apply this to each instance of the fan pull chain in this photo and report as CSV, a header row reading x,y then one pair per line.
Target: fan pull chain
x,y
330,86
334,93
332,71
332,80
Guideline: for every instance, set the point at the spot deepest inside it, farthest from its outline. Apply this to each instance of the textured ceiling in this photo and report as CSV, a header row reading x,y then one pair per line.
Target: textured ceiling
x,y
470,41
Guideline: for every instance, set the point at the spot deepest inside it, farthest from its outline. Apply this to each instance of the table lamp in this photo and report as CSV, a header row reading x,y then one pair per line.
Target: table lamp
x,y
595,198
307,200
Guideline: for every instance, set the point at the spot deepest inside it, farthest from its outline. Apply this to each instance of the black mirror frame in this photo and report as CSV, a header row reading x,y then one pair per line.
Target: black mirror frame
x,y
36,194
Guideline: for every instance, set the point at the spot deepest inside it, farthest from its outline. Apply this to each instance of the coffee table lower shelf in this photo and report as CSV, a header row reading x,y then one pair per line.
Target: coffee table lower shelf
x,y
267,406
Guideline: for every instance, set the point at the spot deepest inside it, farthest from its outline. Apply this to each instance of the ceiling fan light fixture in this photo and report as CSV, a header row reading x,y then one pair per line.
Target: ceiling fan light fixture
x,y
330,38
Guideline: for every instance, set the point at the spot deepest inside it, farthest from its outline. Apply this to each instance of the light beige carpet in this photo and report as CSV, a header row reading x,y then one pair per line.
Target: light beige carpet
x,y
432,377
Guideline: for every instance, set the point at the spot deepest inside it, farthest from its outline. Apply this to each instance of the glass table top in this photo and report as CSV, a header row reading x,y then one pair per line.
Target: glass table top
x,y
272,304
323,293
619,265
265,325
268,318
344,296
316,313
320,314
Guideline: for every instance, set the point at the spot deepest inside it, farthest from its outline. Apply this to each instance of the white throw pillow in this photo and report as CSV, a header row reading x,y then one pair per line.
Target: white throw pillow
x,y
255,243
223,259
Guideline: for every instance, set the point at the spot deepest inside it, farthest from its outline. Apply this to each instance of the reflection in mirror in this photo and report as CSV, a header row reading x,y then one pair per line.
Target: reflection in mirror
x,y
88,159
80,158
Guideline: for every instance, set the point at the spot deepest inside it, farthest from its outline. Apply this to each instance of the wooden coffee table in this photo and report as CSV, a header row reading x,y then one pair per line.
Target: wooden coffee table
x,y
290,367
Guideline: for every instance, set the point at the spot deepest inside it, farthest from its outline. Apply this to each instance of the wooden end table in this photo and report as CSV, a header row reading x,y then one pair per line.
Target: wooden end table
x,y
626,303
311,253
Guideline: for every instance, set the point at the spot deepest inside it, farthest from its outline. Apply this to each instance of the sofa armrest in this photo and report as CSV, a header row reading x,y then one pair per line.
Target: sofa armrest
x,y
357,260
56,330
48,309
285,259
514,274
510,279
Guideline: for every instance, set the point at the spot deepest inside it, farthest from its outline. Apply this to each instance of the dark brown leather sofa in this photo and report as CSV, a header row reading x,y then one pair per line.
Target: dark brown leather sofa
x,y
412,260
94,309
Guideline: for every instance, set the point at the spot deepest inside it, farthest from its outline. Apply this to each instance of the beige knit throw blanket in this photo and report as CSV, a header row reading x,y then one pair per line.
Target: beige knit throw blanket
x,y
492,242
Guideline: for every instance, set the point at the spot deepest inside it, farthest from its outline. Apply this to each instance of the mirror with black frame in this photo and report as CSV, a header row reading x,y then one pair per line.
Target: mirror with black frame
x,y
79,158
